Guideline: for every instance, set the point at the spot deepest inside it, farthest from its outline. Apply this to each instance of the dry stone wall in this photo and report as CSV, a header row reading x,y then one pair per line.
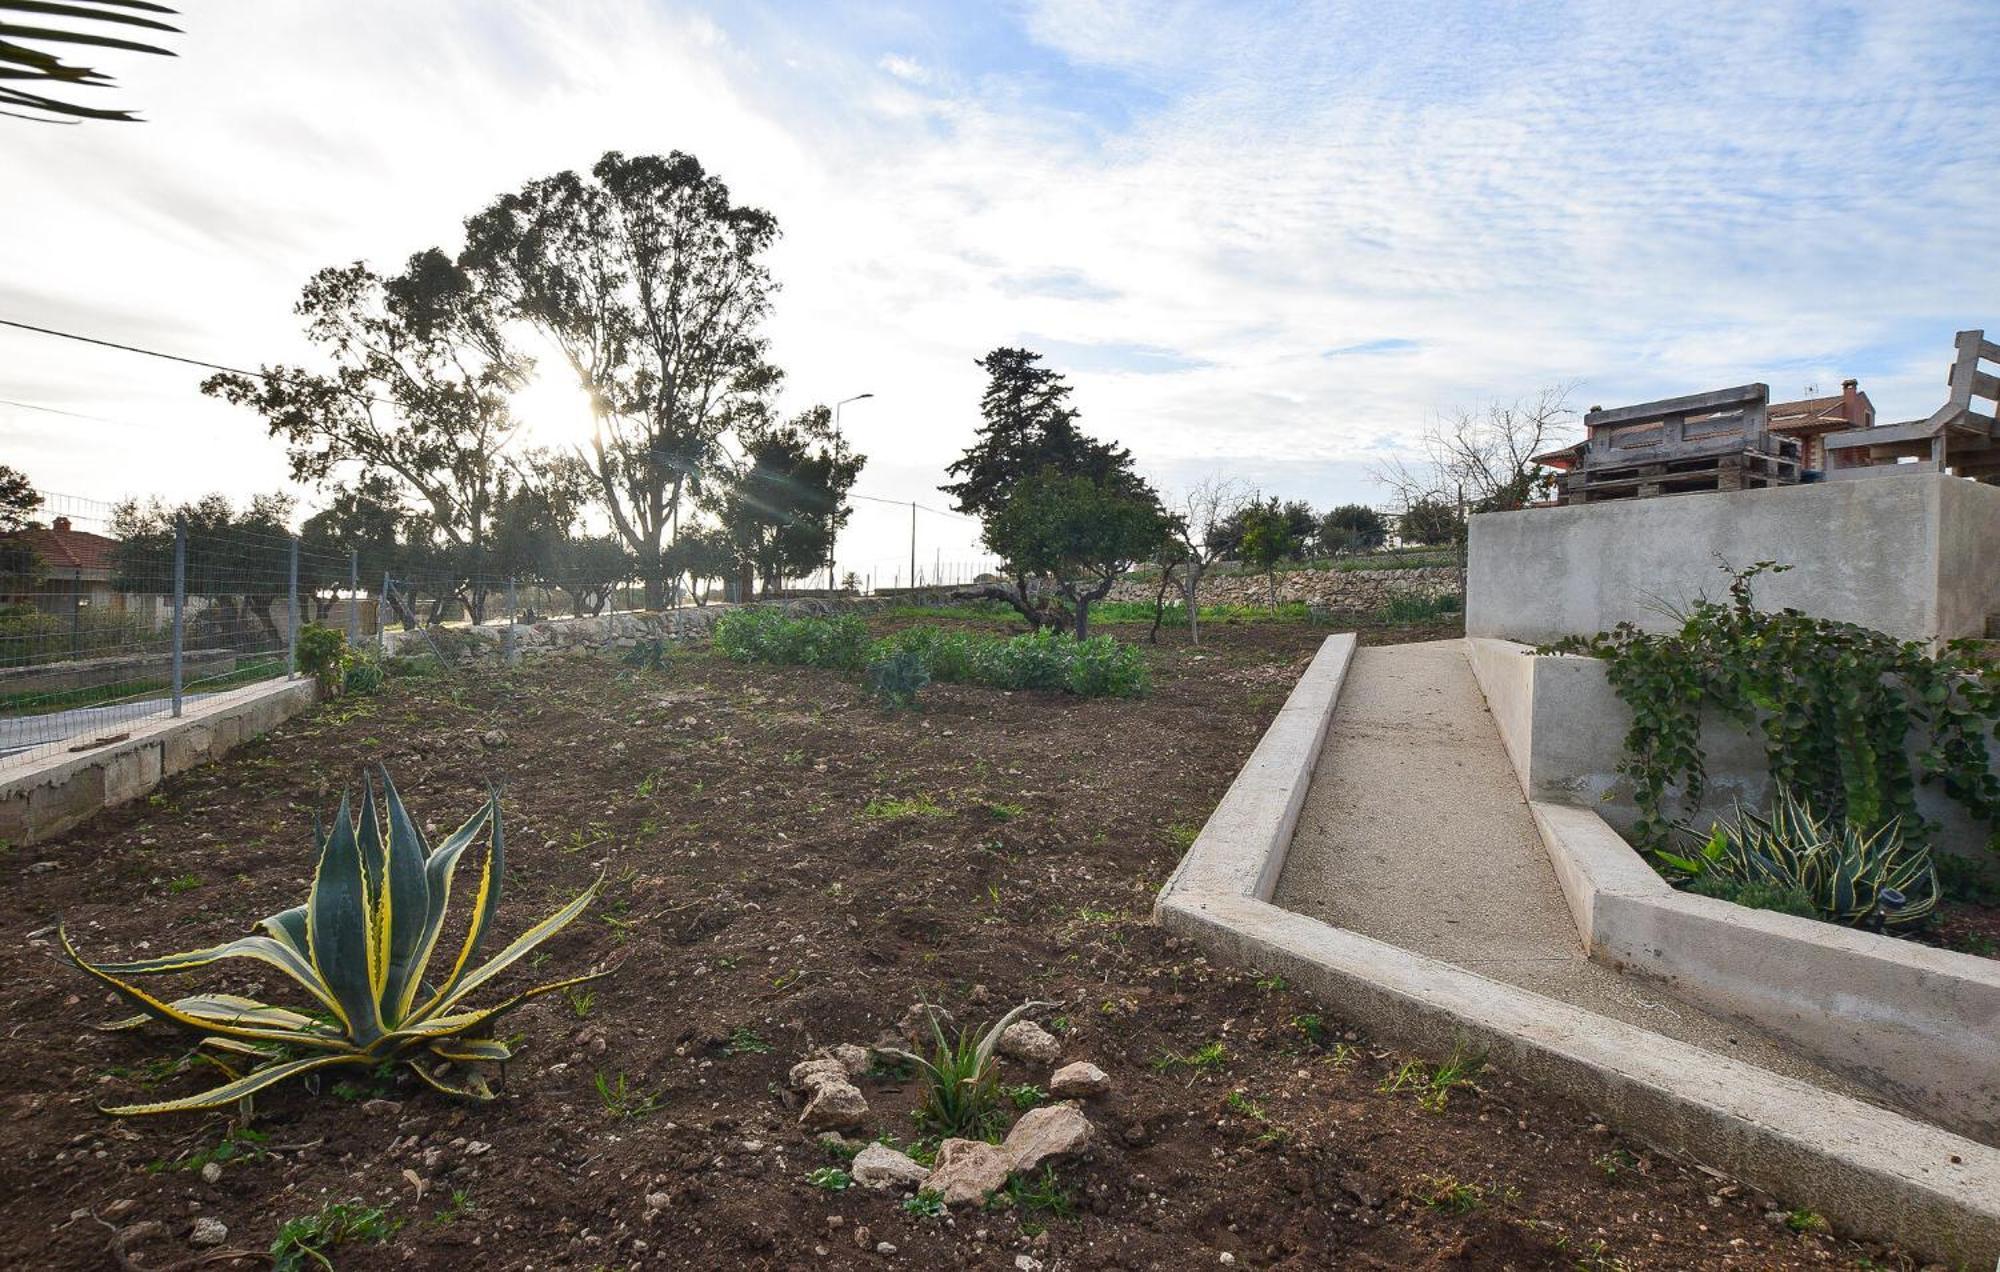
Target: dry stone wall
x,y
1347,590
606,631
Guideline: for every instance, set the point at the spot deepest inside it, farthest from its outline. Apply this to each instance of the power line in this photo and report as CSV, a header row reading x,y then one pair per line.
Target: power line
x,y
909,503
264,375
113,344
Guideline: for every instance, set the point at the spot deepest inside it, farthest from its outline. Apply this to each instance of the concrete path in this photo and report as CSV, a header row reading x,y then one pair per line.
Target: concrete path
x,y
1414,832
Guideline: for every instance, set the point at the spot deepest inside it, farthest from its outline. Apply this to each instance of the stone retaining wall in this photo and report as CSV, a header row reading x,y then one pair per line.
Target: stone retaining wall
x,y
1351,590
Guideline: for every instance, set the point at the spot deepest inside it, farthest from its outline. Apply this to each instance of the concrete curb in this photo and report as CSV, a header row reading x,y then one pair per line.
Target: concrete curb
x,y
42,796
1920,1025
1867,1169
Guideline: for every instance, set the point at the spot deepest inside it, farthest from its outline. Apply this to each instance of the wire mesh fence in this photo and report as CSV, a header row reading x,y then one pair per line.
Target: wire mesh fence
x,y
112,614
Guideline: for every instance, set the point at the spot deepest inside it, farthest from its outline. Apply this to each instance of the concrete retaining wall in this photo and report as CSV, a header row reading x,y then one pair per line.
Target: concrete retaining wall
x,y
1564,729
1909,555
1920,1025
1868,1169
42,796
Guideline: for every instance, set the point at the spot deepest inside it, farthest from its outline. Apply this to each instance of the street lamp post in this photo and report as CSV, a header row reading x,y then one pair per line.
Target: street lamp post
x,y
830,516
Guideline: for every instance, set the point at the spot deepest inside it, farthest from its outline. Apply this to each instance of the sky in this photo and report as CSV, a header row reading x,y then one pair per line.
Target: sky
x,y
1265,241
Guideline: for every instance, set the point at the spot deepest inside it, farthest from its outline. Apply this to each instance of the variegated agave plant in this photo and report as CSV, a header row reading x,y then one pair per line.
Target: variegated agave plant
x,y
360,947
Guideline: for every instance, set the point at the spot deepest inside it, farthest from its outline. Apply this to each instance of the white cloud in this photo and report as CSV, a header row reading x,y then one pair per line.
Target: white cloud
x,y
1198,202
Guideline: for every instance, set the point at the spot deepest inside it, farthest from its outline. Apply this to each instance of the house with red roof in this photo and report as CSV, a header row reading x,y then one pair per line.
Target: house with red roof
x,y
76,564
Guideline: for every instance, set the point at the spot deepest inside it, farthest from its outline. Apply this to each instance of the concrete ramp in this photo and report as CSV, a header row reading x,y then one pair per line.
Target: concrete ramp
x,y
1414,832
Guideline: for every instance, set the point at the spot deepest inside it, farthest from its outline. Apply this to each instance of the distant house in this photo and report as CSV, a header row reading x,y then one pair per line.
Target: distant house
x,y
76,565
1808,420
1811,419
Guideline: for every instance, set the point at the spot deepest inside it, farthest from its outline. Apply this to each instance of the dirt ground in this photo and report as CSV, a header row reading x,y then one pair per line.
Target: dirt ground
x,y
790,867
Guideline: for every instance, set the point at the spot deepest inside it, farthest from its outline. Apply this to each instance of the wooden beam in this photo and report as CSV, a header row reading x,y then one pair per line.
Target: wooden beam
x,y
1743,395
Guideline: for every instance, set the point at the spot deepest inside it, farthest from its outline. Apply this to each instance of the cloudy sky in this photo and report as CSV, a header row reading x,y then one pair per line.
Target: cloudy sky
x,y
1270,241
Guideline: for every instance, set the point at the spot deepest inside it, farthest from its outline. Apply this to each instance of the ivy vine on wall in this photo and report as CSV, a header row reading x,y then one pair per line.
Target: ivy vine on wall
x,y
1852,719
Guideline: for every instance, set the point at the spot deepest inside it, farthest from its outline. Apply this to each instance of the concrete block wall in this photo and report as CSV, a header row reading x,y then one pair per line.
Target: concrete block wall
x,y
1915,556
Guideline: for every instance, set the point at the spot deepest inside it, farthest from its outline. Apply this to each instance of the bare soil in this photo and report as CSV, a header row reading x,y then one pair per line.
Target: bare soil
x,y
791,867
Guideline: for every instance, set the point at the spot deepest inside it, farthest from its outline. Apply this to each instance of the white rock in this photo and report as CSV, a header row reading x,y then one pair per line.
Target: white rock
x,y
211,1173
1029,1042
835,1106
856,1059
1080,1080
209,1231
879,1166
1046,1133
807,1075
968,1171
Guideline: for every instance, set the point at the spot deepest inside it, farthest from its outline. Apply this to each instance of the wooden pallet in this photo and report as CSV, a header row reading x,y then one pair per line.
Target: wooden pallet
x,y
1741,470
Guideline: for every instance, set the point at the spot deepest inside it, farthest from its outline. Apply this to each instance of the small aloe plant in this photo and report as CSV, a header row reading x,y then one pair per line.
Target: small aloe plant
x,y
961,1082
360,947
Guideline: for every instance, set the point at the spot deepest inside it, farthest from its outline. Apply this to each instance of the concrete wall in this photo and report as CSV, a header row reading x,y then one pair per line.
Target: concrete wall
x,y
1564,729
1920,1025
41,796
1916,556
1868,1169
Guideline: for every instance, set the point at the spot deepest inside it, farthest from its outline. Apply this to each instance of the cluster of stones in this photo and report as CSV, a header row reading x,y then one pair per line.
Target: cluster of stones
x,y
966,1172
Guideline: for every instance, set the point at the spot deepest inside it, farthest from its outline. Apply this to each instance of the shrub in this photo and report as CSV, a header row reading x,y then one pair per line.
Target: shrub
x,y
1851,718
895,679
1098,667
1846,874
1419,609
360,947
766,635
323,656
364,673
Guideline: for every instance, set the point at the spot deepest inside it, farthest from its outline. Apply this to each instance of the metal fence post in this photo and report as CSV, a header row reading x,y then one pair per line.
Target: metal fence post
x,y
353,596
512,610
76,614
382,608
180,604
292,615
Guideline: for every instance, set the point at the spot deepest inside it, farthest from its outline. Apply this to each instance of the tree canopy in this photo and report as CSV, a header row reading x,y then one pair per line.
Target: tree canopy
x,y
1080,533
1028,428
651,284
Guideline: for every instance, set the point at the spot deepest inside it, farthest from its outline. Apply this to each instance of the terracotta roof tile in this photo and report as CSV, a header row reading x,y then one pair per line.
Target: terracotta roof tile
x,y
68,549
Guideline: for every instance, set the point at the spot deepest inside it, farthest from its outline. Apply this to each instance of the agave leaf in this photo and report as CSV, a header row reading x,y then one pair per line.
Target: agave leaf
x,y
249,1084
167,1012
475,1087
439,870
472,1050
463,1021
461,984
289,927
263,949
400,822
484,904
233,1009
407,896
337,930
